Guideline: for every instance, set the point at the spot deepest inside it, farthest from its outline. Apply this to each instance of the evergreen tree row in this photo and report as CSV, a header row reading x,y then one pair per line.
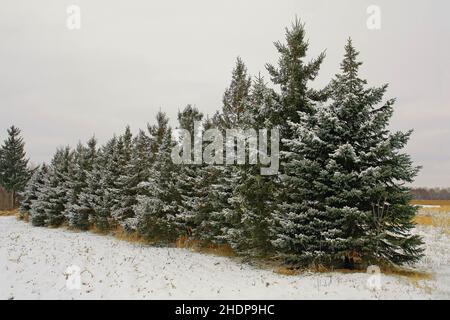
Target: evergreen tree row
x,y
339,198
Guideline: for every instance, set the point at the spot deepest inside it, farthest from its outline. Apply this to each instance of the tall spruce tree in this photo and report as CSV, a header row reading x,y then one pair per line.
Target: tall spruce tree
x,y
206,223
14,172
346,173
75,183
190,179
224,215
293,75
58,187
127,181
137,172
93,209
37,211
107,172
253,196
77,210
30,192
158,205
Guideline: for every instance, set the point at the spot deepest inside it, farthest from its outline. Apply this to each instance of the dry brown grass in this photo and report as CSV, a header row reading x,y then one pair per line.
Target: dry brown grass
x,y
414,276
442,222
437,217
204,247
417,278
123,235
98,231
286,271
431,202
424,220
434,219
440,209
9,213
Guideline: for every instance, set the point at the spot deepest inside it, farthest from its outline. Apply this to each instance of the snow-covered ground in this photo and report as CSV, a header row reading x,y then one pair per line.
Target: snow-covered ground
x,y
41,263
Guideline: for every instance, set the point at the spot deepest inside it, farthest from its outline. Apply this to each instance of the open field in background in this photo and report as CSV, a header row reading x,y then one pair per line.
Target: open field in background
x,y
434,213
444,203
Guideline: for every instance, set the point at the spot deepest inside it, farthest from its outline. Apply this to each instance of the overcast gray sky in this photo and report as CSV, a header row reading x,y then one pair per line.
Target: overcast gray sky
x,y
132,58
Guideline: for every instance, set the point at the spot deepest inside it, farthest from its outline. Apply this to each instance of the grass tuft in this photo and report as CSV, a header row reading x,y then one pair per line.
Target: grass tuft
x,y
123,235
436,220
224,250
413,275
286,271
9,213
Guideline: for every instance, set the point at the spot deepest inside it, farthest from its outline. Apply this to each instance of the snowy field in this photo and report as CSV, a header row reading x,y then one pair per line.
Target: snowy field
x,y
41,263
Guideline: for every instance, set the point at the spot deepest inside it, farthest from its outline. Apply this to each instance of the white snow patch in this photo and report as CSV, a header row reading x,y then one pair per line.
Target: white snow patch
x,y
427,206
34,261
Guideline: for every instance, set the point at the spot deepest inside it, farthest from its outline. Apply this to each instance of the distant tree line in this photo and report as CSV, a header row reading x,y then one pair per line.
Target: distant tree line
x,y
431,193
340,198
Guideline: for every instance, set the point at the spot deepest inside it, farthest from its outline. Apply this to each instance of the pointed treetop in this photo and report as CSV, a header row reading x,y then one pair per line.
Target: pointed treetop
x,y
188,116
295,38
235,98
240,84
92,142
292,72
128,135
350,64
259,82
13,131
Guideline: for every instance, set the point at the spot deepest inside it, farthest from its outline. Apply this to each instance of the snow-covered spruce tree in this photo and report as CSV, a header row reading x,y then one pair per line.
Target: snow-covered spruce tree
x,y
75,182
346,172
190,179
144,157
77,210
30,193
159,203
14,172
137,171
37,211
105,173
216,216
141,157
204,224
244,217
58,187
127,180
293,75
253,195
224,215
92,207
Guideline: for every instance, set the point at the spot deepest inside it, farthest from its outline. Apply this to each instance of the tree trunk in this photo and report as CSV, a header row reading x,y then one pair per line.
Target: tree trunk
x,y
13,199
